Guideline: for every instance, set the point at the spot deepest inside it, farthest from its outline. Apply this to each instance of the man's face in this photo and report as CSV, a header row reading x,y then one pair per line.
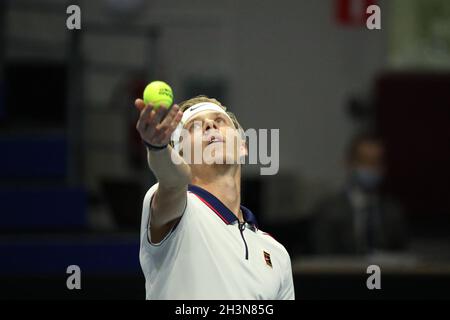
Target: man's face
x,y
370,155
367,166
212,139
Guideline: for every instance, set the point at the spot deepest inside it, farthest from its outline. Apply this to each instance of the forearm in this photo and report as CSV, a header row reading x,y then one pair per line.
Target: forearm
x,y
170,174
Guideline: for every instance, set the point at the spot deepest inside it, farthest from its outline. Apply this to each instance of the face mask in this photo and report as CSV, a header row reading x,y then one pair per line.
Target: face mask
x,y
368,179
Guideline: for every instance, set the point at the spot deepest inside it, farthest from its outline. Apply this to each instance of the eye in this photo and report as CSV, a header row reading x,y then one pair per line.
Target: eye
x,y
220,119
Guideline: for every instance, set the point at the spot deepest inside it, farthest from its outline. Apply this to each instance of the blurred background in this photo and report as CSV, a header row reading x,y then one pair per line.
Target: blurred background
x,y
364,119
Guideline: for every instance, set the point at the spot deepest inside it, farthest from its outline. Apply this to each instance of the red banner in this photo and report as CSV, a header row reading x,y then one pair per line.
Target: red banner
x,y
352,12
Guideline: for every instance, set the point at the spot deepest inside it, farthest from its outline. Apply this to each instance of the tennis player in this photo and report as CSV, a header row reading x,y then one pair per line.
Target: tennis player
x,y
197,240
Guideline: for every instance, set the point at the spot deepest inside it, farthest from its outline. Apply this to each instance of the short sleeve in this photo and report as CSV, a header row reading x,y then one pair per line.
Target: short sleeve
x,y
175,232
286,291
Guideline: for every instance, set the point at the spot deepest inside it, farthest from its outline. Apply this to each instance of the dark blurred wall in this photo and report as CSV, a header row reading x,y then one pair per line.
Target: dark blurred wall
x,y
288,65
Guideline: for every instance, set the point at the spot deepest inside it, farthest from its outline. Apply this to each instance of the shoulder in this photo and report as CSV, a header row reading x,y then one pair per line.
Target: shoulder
x,y
274,244
192,207
150,192
194,202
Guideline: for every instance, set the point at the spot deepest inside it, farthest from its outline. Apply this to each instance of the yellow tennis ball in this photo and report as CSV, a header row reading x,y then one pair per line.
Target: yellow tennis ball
x,y
158,93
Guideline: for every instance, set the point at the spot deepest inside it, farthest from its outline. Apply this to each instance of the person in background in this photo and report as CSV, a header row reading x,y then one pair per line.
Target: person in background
x,y
360,219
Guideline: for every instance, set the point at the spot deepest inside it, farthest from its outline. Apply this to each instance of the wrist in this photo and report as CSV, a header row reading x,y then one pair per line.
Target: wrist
x,y
152,147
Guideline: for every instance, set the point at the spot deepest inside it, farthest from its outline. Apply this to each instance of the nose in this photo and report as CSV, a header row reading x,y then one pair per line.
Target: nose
x,y
209,124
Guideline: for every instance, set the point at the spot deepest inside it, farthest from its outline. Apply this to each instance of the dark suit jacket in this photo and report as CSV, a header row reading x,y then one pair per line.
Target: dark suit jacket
x,y
333,227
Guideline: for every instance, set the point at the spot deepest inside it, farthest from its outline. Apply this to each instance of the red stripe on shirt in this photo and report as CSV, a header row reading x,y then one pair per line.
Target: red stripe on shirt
x,y
212,208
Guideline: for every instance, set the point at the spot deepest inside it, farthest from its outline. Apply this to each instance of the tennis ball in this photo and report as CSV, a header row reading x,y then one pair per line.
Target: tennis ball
x,y
158,93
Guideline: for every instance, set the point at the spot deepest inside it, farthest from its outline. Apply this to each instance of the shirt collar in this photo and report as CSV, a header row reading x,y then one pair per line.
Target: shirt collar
x,y
220,209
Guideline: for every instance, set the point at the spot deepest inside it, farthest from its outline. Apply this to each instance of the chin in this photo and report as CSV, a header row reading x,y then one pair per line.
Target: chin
x,y
220,158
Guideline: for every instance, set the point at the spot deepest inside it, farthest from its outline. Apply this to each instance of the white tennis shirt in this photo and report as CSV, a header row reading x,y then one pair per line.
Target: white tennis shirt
x,y
210,255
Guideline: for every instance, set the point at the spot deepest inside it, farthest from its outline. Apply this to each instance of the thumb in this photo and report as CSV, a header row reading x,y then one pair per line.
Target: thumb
x,y
140,104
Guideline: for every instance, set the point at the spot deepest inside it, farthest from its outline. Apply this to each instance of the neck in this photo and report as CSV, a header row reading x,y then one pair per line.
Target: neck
x,y
224,182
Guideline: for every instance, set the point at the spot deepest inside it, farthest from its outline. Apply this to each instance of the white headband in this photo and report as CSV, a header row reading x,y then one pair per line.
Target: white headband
x,y
188,114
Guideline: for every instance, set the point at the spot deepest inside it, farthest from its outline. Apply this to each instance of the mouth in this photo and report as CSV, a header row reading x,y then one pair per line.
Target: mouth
x,y
215,139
